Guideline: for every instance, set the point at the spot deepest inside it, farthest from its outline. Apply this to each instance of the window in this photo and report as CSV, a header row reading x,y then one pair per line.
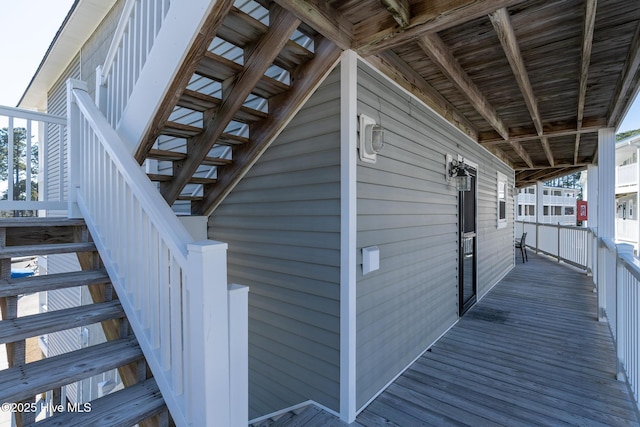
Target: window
x,y
568,210
545,210
502,200
557,210
519,210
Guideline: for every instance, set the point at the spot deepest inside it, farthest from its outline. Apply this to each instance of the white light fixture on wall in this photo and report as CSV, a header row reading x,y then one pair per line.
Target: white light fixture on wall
x,y
457,171
371,139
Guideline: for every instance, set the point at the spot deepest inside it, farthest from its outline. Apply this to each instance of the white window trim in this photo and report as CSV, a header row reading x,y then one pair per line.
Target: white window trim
x,y
501,179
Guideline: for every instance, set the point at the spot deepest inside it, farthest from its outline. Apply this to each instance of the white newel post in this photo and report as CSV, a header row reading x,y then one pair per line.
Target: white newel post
x,y
606,206
624,249
207,349
74,147
238,355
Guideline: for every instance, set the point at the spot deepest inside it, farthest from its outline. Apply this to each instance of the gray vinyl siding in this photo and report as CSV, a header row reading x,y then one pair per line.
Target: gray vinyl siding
x,y
406,208
282,224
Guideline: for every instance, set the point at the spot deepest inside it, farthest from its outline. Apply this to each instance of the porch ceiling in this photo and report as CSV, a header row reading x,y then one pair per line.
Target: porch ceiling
x,y
532,81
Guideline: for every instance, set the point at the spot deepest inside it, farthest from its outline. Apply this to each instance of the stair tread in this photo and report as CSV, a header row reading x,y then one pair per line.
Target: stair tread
x,y
125,407
12,330
49,282
53,248
40,222
25,381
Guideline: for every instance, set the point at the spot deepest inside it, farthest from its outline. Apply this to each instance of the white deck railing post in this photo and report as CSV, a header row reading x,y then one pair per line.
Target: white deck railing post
x,y
208,330
74,145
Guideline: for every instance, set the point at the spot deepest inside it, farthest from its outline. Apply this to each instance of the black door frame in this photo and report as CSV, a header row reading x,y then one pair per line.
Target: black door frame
x,y
462,306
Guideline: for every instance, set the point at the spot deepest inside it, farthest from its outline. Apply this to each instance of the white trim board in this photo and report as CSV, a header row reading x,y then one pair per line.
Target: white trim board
x,y
348,229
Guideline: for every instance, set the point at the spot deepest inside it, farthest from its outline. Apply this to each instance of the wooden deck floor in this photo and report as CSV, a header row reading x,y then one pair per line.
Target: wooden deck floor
x,y
530,353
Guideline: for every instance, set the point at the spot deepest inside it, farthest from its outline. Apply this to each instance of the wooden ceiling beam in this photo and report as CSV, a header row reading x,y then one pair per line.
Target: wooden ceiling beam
x,y
628,86
507,36
323,18
399,9
545,175
557,166
183,76
569,131
307,77
429,17
433,46
587,43
258,60
400,72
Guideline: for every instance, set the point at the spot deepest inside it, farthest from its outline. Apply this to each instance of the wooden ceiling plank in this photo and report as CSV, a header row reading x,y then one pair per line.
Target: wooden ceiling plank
x,y
283,24
202,41
434,16
324,19
540,167
507,36
628,86
400,72
399,9
587,44
433,46
282,108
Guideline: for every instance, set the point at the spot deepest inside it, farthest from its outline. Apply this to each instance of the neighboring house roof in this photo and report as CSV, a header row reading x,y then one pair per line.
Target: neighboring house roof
x,y
81,21
626,147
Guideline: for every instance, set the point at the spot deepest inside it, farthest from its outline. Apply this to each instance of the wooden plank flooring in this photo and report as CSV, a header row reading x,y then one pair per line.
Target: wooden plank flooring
x,y
531,352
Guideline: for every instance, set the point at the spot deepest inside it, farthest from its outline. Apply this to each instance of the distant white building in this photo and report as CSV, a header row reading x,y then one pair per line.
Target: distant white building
x,y
627,226
558,205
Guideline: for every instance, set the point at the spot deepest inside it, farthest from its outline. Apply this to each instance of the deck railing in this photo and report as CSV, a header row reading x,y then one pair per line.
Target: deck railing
x,y
568,244
27,138
616,276
173,290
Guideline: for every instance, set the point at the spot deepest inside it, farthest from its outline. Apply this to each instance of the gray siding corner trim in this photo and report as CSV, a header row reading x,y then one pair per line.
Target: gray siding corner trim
x,y
282,224
407,209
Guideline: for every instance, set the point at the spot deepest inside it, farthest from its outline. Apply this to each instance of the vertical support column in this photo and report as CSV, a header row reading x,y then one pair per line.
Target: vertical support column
x,y
207,345
239,354
539,211
348,166
606,206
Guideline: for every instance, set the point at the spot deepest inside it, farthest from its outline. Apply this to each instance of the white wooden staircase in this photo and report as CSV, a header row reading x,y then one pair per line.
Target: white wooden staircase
x,y
139,402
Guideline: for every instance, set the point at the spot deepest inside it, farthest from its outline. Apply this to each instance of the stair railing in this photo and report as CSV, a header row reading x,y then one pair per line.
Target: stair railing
x,y
135,34
149,45
174,291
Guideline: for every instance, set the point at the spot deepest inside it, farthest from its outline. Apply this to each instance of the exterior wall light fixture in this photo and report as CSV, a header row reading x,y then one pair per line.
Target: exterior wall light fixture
x,y
457,172
370,140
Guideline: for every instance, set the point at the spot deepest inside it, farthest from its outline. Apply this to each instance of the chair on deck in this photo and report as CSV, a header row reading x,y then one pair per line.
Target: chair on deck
x,y
521,245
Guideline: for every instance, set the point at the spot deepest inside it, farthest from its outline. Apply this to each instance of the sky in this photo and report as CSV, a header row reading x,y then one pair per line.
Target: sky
x,y
27,28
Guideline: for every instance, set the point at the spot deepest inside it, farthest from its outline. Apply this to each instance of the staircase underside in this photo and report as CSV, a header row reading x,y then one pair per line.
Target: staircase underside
x,y
244,78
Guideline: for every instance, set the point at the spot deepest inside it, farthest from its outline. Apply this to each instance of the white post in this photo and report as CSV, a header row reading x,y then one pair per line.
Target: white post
x,y
348,156
592,222
624,249
207,349
74,147
606,203
238,354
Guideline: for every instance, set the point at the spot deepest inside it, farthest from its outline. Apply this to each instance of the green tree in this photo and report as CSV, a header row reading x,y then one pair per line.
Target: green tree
x,y
18,173
622,135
